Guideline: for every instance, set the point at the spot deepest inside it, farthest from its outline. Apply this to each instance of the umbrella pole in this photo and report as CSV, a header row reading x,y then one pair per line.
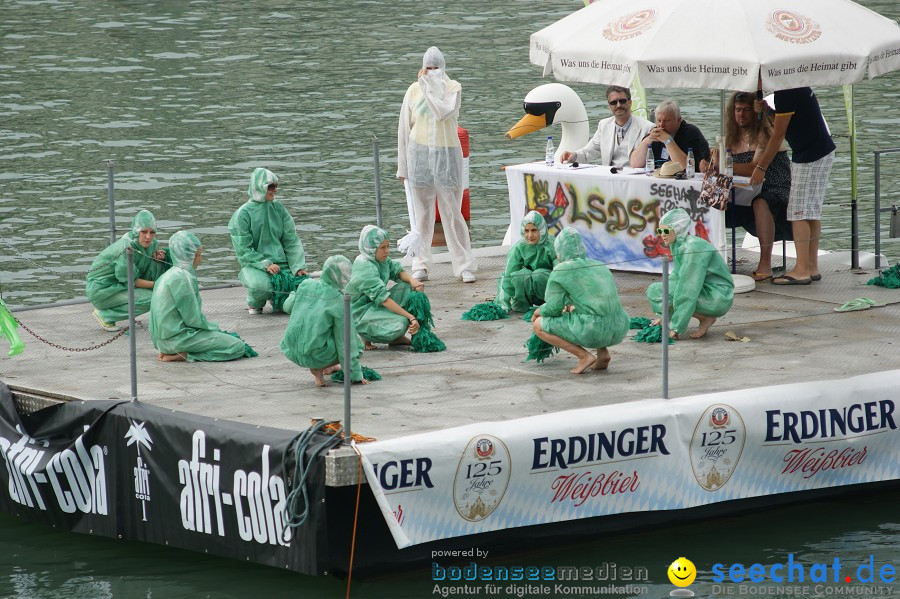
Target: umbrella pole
x,y
854,208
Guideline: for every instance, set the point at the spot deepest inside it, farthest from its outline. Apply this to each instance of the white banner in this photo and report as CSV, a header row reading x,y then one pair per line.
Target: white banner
x,y
616,214
640,456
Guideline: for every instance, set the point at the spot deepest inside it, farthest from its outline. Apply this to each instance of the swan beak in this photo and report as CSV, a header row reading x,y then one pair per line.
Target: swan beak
x,y
528,124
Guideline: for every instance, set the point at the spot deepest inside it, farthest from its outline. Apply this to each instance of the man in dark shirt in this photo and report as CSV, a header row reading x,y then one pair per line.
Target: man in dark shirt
x,y
799,121
671,139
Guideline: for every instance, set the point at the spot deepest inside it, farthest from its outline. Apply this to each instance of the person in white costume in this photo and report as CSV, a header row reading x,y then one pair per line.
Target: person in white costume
x,y
430,164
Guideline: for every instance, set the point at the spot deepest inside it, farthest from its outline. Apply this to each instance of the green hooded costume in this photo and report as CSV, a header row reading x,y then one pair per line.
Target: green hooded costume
x,y
263,233
107,282
314,337
528,267
700,281
598,319
368,290
177,323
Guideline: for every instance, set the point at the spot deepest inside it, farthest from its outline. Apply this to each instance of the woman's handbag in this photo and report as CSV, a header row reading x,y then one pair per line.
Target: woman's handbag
x,y
716,189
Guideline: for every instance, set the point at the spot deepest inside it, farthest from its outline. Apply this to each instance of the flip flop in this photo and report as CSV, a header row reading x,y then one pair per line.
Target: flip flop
x,y
789,280
860,303
815,277
759,277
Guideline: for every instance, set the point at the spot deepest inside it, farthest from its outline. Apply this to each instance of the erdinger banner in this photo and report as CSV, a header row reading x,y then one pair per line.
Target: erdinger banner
x,y
131,471
617,215
635,457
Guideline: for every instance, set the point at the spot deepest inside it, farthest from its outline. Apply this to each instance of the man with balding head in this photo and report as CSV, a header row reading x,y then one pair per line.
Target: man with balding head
x,y
671,139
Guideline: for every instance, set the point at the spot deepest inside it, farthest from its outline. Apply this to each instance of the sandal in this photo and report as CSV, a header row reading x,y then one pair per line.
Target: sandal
x,y
759,277
789,280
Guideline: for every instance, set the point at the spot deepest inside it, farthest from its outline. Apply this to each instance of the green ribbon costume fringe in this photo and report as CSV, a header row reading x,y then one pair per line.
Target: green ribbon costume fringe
x,y
529,314
249,352
639,322
425,341
282,285
651,334
538,349
485,311
368,374
889,278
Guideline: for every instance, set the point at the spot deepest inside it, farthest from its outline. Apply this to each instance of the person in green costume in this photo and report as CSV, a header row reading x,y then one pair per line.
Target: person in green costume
x,y
314,337
107,281
528,267
265,240
700,284
378,311
178,328
581,306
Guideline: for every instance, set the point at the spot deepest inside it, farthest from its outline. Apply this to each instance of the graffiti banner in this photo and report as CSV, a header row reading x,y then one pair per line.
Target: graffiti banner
x,y
616,214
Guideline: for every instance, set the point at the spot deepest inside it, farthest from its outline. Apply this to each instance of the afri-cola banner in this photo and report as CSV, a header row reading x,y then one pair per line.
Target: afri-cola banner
x,y
617,215
636,457
131,471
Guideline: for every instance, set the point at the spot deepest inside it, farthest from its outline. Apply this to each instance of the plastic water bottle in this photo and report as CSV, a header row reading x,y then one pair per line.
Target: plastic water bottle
x,y
550,151
650,164
689,169
729,163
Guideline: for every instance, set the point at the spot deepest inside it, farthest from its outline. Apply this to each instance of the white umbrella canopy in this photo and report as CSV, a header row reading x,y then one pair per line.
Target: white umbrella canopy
x,y
719,44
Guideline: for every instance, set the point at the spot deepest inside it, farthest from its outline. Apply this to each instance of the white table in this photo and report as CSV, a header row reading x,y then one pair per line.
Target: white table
x,y
616,214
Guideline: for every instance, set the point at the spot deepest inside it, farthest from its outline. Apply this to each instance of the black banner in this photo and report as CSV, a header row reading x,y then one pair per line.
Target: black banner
x,y
133,471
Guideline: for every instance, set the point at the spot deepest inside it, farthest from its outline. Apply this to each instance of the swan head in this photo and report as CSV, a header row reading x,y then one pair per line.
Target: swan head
x,y
549,104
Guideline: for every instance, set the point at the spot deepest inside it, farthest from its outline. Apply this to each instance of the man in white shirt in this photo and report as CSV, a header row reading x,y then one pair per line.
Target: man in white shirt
x,y
616,136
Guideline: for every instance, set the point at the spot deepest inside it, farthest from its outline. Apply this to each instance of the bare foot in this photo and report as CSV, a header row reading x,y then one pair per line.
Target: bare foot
x,y
705,323
364,382
584,364
332,369
368,344
317,375
171,358
603,358
402,340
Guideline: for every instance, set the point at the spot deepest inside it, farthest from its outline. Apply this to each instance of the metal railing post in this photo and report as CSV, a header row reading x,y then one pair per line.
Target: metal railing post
x,y
665,328
346,367
110,193
132,329
378,218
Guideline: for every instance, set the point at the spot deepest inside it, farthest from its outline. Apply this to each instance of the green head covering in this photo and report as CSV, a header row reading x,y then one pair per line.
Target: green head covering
x,y
259,183
336,272
142,220
184,246
369,240
679,220
538,221
569,245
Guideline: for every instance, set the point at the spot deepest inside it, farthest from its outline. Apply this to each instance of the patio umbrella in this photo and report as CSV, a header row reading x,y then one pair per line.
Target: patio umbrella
x,y
719,44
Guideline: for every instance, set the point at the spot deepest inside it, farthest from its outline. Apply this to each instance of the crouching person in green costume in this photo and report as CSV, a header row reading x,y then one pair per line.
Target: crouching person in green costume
x,y
265,240
314,337
378,311
581,306
178,328
107,281
528,267
700,284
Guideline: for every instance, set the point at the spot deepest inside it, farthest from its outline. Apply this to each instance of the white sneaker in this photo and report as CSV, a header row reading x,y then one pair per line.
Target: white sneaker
x,y
107,326
468,277
420,275
254,310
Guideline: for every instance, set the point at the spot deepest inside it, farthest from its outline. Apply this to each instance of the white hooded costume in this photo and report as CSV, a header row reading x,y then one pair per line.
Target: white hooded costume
x,y
429,158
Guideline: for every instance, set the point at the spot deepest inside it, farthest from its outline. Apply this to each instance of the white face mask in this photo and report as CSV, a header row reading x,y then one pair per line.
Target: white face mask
x,y
437,73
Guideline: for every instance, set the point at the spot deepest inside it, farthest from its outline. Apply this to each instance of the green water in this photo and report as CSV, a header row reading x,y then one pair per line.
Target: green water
x,y
187,97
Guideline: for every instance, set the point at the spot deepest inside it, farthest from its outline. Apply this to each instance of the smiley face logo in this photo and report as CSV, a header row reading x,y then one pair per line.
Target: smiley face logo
x,y
682,572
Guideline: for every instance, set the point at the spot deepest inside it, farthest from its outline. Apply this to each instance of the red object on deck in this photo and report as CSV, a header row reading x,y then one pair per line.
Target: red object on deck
x,y
464,142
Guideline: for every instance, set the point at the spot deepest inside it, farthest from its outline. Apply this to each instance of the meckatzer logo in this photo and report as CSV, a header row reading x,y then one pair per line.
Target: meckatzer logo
x,y
137,435
481,478
77,476
629,26
793,27
716,446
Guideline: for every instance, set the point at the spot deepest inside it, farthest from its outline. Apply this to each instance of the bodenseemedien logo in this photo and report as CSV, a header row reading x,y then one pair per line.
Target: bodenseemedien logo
x,y
682,573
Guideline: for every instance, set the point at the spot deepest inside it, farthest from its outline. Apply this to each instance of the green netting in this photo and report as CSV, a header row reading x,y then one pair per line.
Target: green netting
x,y
639,322
889,278
529,314
418,305
538,349
249,352
485,311
282,284
426,341
651,334
368,374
